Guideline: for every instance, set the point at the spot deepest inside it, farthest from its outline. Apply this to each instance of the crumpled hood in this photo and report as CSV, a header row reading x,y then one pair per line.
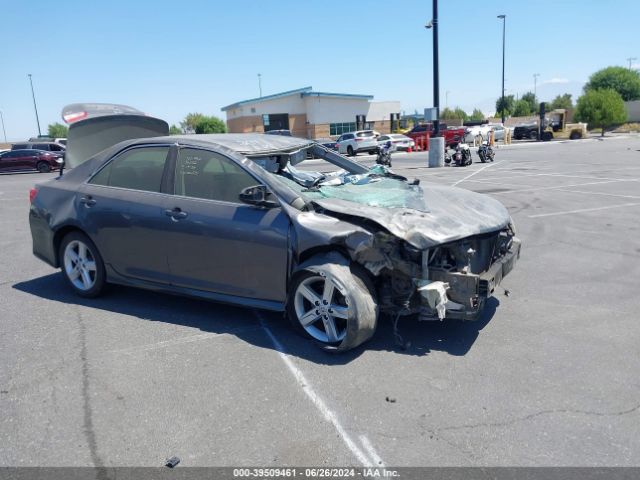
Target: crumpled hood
x,y
454,213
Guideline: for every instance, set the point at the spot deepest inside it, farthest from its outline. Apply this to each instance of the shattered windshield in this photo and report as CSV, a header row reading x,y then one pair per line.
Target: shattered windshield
x,y
379,187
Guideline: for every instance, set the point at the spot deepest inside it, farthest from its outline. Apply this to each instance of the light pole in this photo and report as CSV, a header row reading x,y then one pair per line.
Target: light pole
x,y
34,104
446,99
504,23
260,84
631,59
436,143
3,130
535,83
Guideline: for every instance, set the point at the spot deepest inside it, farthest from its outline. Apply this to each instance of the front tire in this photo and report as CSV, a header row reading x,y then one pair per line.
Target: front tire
x,y
82,265
333,303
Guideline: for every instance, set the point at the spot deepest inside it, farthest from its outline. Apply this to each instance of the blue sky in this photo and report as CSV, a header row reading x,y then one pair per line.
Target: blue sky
x,y
172,58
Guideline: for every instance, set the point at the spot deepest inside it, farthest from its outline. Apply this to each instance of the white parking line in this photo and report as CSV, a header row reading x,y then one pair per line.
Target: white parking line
x,y
537,189
635,197
328,415
474,173
568,212
372,453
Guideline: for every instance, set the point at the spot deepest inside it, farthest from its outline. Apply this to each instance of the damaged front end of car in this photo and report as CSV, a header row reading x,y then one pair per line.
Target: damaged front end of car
x,y
451,280
431,250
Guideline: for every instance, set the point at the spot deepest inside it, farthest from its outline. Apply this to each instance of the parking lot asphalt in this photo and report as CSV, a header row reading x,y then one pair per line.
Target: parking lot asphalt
x,y
548,375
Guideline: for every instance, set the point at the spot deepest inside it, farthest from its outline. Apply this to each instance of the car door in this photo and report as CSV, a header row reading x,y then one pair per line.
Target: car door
x,y
7,160
121,208
219,244
24,159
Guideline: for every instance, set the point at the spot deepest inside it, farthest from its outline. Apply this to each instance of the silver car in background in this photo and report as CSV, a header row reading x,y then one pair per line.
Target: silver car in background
x,y
399,141
353,143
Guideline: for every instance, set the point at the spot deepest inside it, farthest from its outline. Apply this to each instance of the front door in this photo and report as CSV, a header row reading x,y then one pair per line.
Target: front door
x,y
219,244
122,209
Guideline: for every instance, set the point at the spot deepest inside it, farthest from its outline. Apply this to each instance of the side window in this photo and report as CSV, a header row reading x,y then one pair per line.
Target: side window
x,y
41,146
55,148
137,169
209,175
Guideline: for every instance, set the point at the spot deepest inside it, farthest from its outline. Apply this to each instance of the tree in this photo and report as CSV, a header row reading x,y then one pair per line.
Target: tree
x,y
477,115
521,108
531,99
561,101
601,108
509,103
457,114
188,125
57,130
173,130
210,125
624,81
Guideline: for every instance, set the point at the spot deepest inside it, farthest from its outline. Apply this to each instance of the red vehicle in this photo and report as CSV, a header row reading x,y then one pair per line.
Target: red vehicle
x,y
452,136
29,159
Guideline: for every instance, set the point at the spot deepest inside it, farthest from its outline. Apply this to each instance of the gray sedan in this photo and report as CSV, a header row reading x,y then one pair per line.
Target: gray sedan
x,y
239,219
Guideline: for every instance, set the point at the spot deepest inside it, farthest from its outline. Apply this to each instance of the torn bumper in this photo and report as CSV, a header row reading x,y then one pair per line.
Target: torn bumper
x,y
467,293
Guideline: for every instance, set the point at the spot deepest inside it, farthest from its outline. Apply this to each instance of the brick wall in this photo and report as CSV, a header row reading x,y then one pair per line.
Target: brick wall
x,y
245,124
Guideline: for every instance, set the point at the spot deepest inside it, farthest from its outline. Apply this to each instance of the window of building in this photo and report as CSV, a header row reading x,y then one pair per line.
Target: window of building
x,y
340,128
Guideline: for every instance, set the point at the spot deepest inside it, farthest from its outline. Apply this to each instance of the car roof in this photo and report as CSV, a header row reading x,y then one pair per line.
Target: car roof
x,y
243,143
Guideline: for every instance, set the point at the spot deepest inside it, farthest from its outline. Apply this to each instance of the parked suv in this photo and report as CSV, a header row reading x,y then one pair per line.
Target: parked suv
x,y
45,146
353,143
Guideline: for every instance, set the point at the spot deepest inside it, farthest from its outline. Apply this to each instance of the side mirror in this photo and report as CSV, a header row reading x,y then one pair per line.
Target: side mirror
x,y
257,195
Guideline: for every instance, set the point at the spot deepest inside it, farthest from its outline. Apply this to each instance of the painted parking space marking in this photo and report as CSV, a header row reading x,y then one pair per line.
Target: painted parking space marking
x,y
584,210
475,173
317,401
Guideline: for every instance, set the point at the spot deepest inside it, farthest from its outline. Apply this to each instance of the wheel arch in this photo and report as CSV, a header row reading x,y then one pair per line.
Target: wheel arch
x,y
59,235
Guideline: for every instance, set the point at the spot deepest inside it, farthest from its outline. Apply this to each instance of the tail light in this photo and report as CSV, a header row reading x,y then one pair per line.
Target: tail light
x,y
32,194
74,117
358,139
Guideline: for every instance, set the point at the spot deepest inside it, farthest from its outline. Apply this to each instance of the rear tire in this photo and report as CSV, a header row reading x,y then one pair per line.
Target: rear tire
x,y
333,303
350,151
43,167
575,136
82,265
533,135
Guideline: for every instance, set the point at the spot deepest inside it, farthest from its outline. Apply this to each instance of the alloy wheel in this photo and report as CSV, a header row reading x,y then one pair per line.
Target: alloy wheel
x,y
80,265
321,309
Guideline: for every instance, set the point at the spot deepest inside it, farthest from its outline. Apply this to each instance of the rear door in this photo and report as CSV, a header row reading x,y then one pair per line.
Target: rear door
x,y
121,209
219,244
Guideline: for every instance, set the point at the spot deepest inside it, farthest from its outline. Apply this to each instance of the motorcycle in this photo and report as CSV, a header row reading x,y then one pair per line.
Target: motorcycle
x,y
485,152
384,154
462,155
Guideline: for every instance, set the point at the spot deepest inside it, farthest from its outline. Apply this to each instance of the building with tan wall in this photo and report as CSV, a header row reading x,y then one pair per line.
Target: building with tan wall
x,y
311,114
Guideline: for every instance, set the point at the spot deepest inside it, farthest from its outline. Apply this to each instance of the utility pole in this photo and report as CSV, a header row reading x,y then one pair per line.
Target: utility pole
x,y
260,84
3,130
504,23
436,72
35,107
631,59
436,143
535,83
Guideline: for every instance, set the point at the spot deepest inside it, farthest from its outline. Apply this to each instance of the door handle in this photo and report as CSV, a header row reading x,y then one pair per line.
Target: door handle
x,y
88,201
176,214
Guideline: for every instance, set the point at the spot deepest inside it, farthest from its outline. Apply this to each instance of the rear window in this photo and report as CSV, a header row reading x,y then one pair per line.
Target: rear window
x,y
368,133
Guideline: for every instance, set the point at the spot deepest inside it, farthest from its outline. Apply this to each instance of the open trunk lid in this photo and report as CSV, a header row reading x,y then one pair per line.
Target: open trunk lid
x,y
97,126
